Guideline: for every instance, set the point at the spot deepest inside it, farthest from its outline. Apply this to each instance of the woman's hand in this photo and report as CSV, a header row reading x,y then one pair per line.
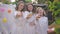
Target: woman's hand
x,y
19,14
32,24
29,16
37,17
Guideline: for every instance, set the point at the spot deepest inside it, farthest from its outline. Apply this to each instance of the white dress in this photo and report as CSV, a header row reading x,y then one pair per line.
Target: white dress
x,y
26,13
20,22
28,28
42,25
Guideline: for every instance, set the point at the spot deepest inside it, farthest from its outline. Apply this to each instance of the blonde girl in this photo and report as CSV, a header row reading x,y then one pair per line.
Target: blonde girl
x,y
42,21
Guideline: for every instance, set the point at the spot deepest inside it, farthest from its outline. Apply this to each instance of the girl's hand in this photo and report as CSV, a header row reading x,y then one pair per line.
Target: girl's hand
x,y
29,16
32,24
37,17
19,14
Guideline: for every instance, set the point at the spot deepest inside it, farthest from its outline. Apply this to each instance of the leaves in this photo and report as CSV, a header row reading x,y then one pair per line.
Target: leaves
x,y
28,0
51,6
54,7
6,2
57,20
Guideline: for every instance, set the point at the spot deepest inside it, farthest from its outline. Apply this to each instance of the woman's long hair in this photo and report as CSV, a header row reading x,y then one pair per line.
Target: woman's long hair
x,y
17,6
44,13
33,10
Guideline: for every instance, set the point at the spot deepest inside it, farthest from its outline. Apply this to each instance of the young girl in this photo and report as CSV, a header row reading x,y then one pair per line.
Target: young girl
x,y
29,9
19,17
42,21
30,20
19,8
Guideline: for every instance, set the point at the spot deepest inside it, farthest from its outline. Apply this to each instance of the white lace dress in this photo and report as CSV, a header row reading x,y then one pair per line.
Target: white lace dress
x,y
28,28
42,25
20,23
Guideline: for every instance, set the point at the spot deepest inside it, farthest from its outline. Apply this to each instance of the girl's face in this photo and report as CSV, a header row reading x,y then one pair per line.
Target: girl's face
x,y
30,7
21,6
40,12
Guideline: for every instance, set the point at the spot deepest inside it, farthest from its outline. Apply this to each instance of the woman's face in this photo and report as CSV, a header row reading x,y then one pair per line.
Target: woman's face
x,y
40,12
21,6
30,7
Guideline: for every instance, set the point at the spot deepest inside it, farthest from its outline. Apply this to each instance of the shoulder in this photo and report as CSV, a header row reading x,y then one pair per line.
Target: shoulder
x,y
45,17
26,12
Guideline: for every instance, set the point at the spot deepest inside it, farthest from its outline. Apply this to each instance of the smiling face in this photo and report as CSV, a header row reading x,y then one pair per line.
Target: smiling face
x,y
21,6
40,11
30,7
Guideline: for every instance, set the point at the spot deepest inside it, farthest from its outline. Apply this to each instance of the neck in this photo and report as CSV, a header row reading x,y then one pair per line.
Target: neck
x,y
19,10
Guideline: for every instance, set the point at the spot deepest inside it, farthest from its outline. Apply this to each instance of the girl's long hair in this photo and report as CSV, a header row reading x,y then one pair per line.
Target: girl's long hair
x,y
44,13
17,6
33,7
